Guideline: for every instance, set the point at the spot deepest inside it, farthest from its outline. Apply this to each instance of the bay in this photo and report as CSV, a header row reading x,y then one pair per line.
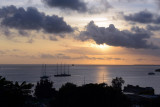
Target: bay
x,y
83,74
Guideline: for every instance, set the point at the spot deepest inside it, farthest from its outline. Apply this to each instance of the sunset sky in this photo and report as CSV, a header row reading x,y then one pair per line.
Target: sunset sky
x,y
111,32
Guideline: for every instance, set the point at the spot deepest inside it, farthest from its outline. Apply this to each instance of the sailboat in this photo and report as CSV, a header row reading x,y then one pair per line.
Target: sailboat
x,y
62,69
44,76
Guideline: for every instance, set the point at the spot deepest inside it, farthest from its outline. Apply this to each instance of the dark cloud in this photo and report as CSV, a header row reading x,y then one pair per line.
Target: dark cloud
x,y
55,24
8,10
32,19
137,38
143,17
77,5
80,6
153,28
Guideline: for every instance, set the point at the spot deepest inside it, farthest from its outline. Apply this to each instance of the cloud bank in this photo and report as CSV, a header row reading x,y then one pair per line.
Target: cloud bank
x,y
137,38
32,19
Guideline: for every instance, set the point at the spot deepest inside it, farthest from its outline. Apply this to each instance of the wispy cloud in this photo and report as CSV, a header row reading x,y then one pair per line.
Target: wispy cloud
x,y
83,57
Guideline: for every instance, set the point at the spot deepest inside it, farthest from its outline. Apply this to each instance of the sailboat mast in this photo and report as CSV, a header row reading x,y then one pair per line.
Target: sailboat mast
x,y
84,80
61,68
57,68
64,68
42,70
45,70
68,69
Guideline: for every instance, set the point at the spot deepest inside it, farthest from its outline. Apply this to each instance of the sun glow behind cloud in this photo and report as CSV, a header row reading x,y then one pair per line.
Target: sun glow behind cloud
x,y
101,46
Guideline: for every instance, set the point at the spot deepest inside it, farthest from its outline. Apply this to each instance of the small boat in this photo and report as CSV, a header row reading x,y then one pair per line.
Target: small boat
x,y
62,75
62,69
44,77
151,73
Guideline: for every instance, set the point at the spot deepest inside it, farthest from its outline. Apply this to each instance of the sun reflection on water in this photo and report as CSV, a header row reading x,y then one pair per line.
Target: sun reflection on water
x,y
102,74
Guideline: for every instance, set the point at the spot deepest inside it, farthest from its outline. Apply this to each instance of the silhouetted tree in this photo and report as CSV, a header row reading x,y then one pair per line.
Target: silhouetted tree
x,y
14,94
44,89
89,95
117,83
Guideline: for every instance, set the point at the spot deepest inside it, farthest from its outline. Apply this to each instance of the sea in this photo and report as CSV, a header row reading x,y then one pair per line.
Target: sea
x,y
84,74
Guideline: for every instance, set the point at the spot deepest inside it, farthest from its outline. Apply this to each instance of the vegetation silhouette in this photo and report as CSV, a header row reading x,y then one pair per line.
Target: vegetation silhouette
x,y
44,89
89,95
70,95
117,83
14,94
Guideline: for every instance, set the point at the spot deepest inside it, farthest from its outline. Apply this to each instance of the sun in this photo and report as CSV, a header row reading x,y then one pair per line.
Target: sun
x,y
101,46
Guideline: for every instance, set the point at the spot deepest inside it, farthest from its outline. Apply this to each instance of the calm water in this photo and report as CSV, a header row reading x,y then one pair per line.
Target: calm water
x,y
135,75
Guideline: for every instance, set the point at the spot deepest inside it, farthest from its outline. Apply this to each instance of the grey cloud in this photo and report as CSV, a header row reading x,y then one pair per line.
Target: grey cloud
x,y
62,56
77,5
7,32
99,7
32,19
80,6
114,37
97,58
132,0
30,41
153,28
2,52
140,59
59,56
53,38
16,50
9,51
23,33
25,56
148,53
144,17
158,3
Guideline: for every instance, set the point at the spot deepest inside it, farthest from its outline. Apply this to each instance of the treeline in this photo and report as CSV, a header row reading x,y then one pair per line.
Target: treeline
x,y
69,95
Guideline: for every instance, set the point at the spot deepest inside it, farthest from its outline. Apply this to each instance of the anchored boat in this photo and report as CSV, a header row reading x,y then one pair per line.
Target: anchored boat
x,y
62,70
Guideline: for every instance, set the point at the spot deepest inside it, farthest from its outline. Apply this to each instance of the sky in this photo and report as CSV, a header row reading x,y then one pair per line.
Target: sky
x,y
108,32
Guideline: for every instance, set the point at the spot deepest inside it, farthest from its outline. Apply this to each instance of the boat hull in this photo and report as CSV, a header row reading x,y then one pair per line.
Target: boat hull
x,y
62,75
